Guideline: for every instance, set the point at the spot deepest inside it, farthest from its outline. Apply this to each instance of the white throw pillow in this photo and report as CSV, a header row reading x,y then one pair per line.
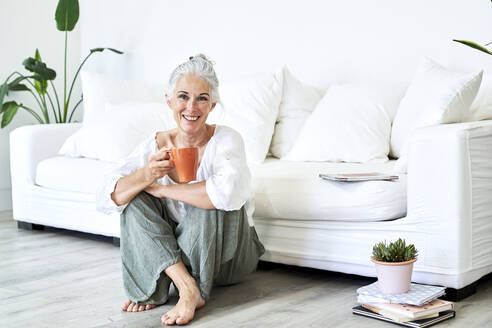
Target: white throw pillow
x,y
435,96
347,125
249,105
117,131
298,102
481,108
99,89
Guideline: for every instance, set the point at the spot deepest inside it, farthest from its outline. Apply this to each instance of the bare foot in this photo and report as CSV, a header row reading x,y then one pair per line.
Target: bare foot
x,y
129,306
184,311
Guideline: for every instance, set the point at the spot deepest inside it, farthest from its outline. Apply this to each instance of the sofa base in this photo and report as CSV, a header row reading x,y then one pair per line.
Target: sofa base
x,y
33,226
456,295
29,226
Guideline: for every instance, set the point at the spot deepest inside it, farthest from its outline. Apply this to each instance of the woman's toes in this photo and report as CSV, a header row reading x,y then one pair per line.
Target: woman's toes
x,y
125,305
141,308
149,306
135,308
130,307
181,321
168,319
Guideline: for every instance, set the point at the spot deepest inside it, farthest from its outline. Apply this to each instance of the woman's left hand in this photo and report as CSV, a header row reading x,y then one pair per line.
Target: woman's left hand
x,y
155,189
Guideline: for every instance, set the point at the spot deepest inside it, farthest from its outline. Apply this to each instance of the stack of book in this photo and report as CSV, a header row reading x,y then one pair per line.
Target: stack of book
x,y
419,307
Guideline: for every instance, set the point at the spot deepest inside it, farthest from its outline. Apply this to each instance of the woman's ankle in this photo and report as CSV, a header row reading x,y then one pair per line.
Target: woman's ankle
x,y
181,278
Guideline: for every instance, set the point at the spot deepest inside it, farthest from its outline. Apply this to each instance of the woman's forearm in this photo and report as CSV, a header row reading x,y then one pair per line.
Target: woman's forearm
x,y
194,194
129,186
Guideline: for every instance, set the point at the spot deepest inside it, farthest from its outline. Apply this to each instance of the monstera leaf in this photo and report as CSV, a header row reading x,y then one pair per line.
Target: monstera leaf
x,y
45,73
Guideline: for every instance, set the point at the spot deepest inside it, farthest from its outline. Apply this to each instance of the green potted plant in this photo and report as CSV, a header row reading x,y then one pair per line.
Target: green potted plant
x,y
40,78
394,265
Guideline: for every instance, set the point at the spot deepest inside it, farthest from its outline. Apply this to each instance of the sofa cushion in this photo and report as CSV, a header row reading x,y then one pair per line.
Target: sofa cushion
x,y
117,131
293,190
348,125
436,95
72,174
298,102
287,190
249,104
481,107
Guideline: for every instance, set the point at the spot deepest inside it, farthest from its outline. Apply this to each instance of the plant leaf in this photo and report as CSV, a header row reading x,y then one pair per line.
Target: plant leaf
x,y
115,50
40,68
19,87
102,49
4,89
397,251
37,56
9,109
39,85
67,14
5,106
96,49
474,45
16,81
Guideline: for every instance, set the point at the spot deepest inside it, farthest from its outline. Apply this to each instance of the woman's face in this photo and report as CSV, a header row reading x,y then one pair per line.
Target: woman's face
x,y
191,103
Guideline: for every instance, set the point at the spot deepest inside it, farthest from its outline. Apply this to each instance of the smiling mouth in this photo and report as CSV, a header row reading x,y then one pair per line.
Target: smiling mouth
x,y
190,118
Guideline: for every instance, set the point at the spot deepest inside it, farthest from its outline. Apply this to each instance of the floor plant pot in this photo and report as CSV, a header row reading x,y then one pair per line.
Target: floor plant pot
x,y
394,277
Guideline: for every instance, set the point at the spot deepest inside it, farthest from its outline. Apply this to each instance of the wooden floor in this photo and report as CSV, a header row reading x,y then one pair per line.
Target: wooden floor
x,y
59,278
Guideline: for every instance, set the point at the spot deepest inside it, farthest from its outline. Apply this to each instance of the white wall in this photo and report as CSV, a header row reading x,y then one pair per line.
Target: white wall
x,y
377,42
24,26
321,41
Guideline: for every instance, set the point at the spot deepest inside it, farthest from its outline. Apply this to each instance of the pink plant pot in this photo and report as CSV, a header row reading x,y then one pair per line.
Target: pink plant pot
x,y
394,277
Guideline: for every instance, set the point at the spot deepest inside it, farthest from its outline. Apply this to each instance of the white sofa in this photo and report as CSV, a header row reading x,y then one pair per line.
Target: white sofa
x,y
443,204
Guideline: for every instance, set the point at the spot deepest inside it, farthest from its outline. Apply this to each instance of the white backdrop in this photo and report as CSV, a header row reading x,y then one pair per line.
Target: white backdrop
x,y
320,41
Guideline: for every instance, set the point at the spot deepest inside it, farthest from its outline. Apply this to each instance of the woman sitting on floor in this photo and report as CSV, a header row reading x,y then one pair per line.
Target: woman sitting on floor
x,y
195,234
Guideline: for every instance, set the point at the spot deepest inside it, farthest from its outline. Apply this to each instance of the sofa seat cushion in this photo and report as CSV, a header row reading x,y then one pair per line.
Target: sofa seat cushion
x,y
293,190
72,174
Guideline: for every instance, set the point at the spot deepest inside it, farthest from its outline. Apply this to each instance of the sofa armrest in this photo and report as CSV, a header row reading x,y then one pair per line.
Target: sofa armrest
x,y
450,188
31,144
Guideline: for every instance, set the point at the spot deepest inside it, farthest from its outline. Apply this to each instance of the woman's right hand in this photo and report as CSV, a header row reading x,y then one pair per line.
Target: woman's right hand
x,y
158,165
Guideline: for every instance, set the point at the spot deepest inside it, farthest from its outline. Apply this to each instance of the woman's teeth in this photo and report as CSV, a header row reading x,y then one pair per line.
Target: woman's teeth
x,y
191,118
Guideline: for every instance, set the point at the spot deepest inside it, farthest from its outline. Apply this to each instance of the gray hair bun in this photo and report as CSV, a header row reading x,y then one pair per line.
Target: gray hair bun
x,y
202,66
202,57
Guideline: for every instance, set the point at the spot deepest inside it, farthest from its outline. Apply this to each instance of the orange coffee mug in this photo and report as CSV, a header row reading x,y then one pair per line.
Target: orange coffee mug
x,y
186,163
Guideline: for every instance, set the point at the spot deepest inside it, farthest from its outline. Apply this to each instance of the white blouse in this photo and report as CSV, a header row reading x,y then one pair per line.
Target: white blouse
x,y
223,167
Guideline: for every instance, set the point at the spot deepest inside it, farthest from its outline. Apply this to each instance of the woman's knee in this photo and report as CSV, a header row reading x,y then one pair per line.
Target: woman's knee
x,y
143,204
142,199
144,213
206,217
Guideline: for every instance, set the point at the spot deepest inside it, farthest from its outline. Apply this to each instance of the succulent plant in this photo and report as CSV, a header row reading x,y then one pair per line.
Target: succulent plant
x,y
397,251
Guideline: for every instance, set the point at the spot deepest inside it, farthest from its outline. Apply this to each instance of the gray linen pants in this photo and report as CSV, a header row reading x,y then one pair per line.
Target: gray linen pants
x,y
218,247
